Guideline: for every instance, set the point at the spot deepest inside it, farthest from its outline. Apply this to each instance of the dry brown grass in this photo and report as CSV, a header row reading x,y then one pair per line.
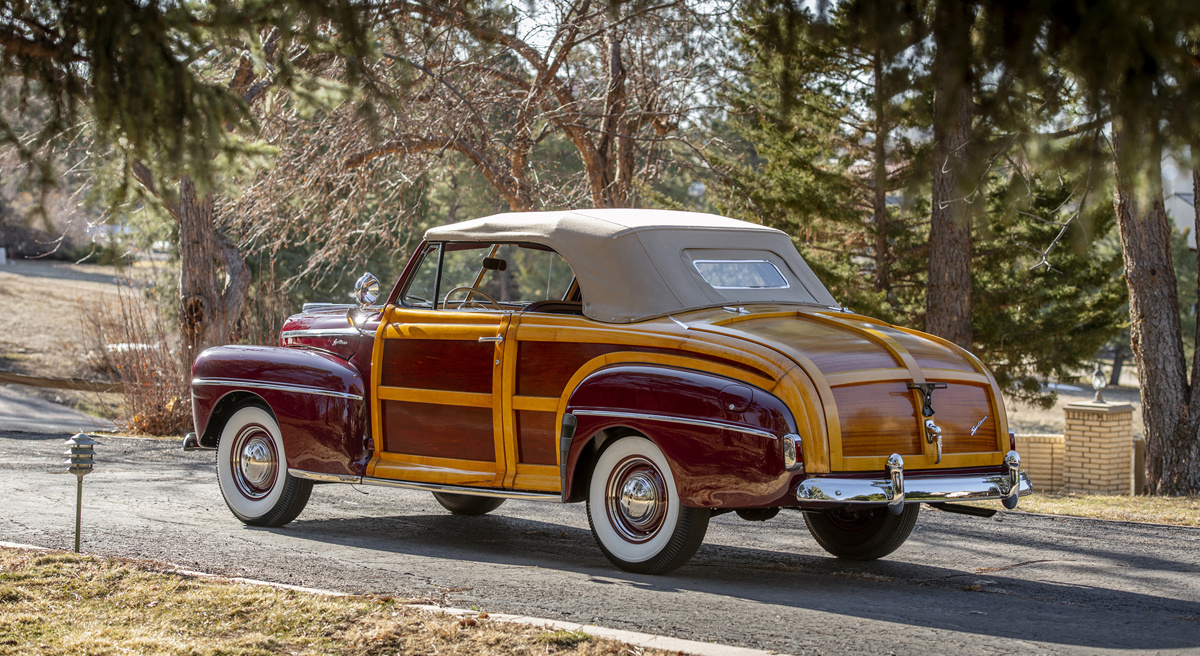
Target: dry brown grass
x,y
1178,511
54,603
130,342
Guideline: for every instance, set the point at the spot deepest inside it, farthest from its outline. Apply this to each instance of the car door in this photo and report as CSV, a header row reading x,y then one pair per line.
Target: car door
x,y
436,374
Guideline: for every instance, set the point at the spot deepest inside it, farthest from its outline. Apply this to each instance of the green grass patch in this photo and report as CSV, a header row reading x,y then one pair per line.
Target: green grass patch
x,y
563,638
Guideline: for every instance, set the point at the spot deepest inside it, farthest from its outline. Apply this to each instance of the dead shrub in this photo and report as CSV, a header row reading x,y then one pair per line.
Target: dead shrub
x,y
131,343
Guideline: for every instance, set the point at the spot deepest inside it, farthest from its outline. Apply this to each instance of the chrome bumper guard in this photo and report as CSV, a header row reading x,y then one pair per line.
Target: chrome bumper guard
x,y
191,442
895,490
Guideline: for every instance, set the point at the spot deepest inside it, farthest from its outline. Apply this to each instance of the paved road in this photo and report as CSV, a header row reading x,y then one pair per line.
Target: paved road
x,y
1049,585
20,411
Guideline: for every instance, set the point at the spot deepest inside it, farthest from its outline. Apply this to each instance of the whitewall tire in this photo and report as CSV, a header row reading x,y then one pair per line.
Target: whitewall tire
x,y
252,470
634,510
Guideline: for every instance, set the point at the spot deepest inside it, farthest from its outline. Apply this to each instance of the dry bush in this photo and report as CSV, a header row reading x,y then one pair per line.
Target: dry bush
x,y
131,342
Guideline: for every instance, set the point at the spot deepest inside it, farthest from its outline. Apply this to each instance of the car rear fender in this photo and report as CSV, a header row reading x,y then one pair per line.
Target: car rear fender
x,y
722,437
316,398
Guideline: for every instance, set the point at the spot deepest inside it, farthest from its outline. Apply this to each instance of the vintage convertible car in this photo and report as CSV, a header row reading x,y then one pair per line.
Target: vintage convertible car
x,y
661,366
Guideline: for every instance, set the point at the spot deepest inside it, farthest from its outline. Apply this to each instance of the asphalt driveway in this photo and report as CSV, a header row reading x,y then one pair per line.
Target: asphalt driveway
x,y
960,585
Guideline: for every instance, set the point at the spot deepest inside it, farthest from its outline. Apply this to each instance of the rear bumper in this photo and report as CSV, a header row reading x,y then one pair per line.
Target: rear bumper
x,y
896,490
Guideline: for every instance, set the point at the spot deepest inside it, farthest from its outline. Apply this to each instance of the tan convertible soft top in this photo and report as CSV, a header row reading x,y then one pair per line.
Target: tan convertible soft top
x,y
638,264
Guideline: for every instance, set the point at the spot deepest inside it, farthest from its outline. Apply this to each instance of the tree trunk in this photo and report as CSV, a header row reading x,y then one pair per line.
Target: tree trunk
x,y
1114,379
1168,404
948,297
213,277
614,147
883,270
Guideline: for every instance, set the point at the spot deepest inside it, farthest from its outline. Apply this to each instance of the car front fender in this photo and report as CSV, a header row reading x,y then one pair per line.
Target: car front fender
x,y
317,399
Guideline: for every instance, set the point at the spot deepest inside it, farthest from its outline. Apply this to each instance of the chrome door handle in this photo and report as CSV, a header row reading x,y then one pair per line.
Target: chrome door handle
x,y
491,339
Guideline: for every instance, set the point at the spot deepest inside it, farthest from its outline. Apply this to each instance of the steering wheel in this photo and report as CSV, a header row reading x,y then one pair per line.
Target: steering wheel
x,y
466,300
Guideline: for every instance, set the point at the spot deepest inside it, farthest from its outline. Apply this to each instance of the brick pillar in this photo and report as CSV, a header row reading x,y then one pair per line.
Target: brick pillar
x,y
1098,447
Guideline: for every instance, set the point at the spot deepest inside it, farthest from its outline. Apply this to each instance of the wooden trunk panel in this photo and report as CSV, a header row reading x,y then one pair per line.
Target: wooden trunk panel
x,y
959,408
833,350
440,431
438,364
878,419
536,438
928,354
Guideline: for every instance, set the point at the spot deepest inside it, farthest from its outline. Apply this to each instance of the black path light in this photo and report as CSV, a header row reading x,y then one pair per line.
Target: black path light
x,y
79,457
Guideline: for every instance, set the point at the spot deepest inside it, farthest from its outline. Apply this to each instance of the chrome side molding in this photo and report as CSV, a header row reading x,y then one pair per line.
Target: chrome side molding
x,y
279,387
897,490
703,423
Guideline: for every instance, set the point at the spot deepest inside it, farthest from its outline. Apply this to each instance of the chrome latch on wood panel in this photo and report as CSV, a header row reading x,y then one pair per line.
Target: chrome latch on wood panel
x,y
933,435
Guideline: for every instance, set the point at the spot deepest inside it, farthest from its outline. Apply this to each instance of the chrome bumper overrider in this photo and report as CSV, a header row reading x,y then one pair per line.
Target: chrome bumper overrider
x,y
896,490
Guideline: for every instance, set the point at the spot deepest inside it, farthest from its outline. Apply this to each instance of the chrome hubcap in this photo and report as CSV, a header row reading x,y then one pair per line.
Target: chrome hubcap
x,y
637,499
255,462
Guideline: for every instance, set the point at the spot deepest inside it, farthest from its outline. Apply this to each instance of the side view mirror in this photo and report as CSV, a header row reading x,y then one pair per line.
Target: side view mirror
x,y
366,290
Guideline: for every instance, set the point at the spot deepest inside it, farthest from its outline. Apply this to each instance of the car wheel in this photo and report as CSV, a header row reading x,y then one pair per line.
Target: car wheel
x,y
634,510
252,470
862,535
466,504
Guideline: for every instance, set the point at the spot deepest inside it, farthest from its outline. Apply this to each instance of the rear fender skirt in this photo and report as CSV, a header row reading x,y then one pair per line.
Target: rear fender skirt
x,y
722,437
316,398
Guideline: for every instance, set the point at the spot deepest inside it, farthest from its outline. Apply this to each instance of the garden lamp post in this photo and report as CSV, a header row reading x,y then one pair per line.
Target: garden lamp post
x,y
79,459
1098,382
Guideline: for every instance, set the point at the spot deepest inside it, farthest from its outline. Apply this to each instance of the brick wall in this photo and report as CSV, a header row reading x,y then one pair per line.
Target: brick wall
x,y
1042,459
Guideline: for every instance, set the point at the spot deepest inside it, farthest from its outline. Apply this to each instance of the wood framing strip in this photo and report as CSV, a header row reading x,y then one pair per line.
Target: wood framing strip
x,y
414,395
538,403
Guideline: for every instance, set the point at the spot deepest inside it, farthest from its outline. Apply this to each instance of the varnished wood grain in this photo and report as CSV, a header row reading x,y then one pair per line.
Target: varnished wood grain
x,y
831,349
878,419
930,355
543,368
959,408
537,442
438,364
443,431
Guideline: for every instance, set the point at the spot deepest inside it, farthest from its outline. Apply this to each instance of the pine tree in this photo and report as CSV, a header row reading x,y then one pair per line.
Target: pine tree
x,y
1043,300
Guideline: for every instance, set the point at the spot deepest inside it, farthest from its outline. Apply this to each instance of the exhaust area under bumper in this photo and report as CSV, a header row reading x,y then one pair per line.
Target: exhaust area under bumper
x,y
895,491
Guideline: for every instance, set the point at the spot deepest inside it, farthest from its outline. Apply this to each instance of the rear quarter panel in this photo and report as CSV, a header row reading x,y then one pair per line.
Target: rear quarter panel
x,y
714,467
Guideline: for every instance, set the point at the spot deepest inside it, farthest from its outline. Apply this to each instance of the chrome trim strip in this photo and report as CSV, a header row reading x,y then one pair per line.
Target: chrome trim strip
x,y
677,420
335,306
471,491
279,387
928,489
324,478
323,332
678,322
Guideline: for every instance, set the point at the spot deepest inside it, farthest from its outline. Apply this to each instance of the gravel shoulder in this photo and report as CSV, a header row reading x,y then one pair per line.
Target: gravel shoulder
x,y
961,585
